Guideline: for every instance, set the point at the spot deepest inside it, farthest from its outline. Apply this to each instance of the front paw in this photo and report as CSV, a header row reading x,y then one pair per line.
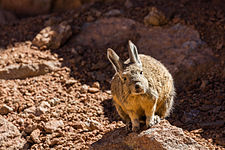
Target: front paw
x,y
156,119
130,127
152,121
135,128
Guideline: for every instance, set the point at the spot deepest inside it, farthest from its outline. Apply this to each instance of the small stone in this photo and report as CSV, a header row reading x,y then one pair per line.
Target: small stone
x,y
128,4
155,17
4,109
108,92
35,135
71,81
30,128
93,90
54,141
93,125
113,12
31,110
98,13
96,85
84,88
206,107
90,18
77,125
43,108
54,101
53,125
203,84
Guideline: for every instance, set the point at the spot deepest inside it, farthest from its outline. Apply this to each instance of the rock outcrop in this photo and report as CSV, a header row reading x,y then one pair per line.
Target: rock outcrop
x,y
163,136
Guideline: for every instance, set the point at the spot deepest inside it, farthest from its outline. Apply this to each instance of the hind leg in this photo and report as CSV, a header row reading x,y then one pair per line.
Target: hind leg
x,y
165,108
122,114
125,117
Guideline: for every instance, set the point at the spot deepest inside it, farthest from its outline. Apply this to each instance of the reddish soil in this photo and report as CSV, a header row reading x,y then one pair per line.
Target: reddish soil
x,y
81,99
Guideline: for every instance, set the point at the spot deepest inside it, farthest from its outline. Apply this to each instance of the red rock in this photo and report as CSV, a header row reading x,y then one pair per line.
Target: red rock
x,y
96,85
162,136
35,136
4,109
93,90
104,33
155,17
53,36
53,125
10,136
22,71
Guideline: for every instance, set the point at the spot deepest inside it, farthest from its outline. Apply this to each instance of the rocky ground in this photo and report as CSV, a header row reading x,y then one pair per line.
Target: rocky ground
x,y
55,77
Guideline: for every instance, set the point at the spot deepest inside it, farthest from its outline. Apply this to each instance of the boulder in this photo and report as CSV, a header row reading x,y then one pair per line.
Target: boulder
x,y
22,71
178,47
53,36
162,136
105,32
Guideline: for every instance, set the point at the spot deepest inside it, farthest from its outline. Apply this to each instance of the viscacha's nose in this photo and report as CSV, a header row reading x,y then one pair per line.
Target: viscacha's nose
x,y
137,87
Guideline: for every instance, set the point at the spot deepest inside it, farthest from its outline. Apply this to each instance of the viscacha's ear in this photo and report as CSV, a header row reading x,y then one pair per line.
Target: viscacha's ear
x,y
115,60
133,53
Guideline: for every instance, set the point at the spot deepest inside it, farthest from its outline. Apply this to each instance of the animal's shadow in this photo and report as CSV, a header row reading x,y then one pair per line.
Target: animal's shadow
x,y
110,110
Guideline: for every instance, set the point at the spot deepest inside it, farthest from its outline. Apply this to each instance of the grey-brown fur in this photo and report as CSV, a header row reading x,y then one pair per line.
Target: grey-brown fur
x,y
141,86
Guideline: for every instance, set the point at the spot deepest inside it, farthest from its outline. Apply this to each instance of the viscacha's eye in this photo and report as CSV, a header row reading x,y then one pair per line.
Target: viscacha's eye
x,y
124,78
141,72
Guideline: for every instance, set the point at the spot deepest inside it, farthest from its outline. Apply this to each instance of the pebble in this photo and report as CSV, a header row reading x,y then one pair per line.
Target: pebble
x,y
31,110
35,136
30,128
43,108
54,101
53,125
96,85
5,109
128,4
155,17
54,141
93,90
113,12
93,125
71,81
84,88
